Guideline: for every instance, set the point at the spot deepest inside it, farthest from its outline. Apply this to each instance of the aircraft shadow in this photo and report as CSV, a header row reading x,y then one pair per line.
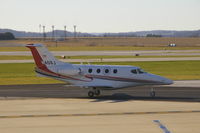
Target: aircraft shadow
x,y
131,94
113,98
123,97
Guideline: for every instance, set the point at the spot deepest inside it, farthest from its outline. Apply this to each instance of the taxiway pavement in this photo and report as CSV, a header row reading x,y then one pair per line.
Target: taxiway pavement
x,y
51,108
96,53
176,92
111,60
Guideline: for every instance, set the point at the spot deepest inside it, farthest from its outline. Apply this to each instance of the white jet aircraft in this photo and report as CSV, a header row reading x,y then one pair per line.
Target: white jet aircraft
x,y
94,77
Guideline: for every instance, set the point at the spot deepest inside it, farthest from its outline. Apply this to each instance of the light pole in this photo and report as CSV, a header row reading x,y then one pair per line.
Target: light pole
x,y
65,27
44,34
74,31
39,30
53,35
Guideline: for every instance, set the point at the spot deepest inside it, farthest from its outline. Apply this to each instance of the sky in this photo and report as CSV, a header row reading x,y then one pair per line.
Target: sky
x,y
96,16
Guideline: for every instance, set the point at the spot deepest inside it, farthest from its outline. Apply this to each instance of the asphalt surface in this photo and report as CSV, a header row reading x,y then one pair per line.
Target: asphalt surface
x,y
131,52
51,108
163,93
111,60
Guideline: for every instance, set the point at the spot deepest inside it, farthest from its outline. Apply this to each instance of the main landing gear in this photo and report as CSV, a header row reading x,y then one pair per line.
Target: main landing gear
x,y
94,92
152,92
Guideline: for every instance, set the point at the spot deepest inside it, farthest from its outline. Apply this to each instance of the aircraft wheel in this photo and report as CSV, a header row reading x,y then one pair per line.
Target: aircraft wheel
x,y
153,94
91,94
97,92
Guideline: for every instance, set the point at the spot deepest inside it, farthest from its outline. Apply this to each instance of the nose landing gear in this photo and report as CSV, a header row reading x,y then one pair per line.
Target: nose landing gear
x,y
94,92
152,92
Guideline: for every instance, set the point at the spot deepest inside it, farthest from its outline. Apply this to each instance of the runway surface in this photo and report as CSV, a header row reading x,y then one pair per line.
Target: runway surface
x,y
111,60
131,52
51,108
170,93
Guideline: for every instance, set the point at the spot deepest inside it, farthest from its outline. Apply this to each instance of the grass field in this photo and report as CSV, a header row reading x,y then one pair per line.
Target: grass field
x,y
21,74
106,43
176,70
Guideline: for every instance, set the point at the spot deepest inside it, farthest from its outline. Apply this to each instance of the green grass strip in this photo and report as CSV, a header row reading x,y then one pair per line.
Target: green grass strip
x,y
23,73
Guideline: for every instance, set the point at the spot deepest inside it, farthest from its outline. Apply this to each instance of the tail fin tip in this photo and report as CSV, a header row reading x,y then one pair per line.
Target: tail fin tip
x,y
34,45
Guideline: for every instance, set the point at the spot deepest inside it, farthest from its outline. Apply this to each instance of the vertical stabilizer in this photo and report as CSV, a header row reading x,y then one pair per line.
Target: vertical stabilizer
x,y
42,56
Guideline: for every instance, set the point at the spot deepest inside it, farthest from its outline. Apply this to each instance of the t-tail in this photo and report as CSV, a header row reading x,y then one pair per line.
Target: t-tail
x,y
47,64
42,56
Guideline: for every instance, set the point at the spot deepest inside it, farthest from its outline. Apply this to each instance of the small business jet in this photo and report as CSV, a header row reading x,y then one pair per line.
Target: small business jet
x,y
93,77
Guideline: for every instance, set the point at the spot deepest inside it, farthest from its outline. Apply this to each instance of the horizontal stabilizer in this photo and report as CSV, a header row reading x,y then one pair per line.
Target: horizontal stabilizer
x,y
34,45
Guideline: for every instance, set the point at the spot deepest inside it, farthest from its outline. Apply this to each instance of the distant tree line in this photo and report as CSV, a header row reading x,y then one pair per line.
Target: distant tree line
x,y
7,36
153,35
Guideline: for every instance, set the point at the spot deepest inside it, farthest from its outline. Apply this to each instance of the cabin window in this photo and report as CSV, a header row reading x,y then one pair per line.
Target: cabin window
x,y
115,71
106,70
134,71
98,70
90,70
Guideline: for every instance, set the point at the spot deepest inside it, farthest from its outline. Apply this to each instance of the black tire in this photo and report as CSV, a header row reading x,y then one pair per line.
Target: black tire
x,y
91,94
153,94
97,92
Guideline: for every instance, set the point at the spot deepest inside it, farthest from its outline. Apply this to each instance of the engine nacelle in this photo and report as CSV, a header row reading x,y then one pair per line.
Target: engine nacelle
x,y
68,70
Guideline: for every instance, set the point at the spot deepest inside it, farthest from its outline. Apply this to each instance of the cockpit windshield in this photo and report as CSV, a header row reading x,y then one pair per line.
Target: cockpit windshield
x,y
134,71
140,71
137,71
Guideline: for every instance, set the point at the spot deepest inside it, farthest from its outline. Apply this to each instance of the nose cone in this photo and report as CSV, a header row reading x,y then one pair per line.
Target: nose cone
x,y
167,81
161,80
158,80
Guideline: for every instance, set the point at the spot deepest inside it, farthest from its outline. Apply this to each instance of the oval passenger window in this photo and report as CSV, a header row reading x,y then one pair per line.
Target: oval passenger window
x,y
90,70
98,70
106,71
115,71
